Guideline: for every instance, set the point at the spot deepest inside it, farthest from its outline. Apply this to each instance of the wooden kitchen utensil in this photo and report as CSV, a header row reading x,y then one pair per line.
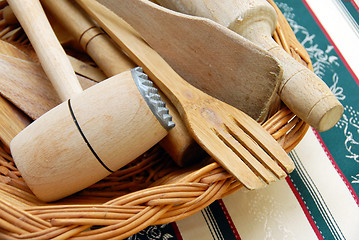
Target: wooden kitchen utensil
x,y
210,57
301,90
89,36
111,60
64,38
10,50
91,134
12,121
230,136
25,84
9,26
130,195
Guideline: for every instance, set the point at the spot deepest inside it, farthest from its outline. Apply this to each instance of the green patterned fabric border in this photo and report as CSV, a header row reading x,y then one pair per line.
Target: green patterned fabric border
x,y
342,141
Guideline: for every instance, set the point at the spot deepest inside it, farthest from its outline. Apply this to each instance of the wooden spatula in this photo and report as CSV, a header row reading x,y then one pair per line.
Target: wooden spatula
x,y
301,90
230,136
209,56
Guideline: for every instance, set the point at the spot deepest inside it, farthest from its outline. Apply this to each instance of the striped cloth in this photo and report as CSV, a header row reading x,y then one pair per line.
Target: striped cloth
x,y
319,200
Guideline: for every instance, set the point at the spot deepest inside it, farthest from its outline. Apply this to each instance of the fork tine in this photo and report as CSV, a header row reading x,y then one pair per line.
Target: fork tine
x,y
228,159
265,140
231,137
255,150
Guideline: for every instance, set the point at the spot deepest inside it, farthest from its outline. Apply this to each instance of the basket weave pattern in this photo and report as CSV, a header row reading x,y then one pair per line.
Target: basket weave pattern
x,y
151,190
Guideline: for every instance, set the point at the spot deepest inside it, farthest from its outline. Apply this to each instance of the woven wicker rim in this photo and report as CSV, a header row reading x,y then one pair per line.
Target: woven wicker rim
x,y
149,191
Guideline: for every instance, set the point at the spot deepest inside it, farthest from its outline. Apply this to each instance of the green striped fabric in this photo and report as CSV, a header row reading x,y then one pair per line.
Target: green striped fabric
x,y
319,199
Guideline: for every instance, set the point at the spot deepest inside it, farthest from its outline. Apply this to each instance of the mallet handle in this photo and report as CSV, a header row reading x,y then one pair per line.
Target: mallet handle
x,y
51,54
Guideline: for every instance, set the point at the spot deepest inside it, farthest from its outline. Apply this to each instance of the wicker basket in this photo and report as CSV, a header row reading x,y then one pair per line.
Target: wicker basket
x,y
149,191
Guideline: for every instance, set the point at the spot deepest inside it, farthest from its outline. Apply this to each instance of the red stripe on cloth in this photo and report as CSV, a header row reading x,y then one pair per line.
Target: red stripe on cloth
x,y
355,5
177,231
304,208
349,186
331,42
229,219
336,167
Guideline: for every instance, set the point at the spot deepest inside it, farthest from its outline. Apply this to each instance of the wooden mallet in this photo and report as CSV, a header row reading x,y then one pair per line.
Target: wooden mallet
x,y
93,132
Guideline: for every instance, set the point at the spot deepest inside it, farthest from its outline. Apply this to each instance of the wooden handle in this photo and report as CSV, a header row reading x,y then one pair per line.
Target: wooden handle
x,y
211,57
110,58
174,87
301,90
304,92
52,56
113,122
89,136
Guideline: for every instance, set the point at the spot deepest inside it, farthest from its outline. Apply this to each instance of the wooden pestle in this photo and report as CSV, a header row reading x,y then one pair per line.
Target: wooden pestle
x,y
301,90
110,58
90,135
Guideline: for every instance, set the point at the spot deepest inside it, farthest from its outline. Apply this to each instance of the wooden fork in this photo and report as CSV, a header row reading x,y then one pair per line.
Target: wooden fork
x,y
230,136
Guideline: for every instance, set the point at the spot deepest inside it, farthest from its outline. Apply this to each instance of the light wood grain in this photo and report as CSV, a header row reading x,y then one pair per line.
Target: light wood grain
x,y
301,90
210,57
230,136
52,156
86,70
89,36
59,70
10,50
64,38
75,145
111,59
25,84
12,121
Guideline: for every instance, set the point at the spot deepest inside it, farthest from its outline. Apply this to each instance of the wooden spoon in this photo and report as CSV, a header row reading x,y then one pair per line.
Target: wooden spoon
x,y
230,136
210,57
91,134
301,90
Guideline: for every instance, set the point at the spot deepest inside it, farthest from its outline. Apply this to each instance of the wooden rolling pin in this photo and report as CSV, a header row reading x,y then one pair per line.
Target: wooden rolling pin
x,y
301,90
93,132
110,58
